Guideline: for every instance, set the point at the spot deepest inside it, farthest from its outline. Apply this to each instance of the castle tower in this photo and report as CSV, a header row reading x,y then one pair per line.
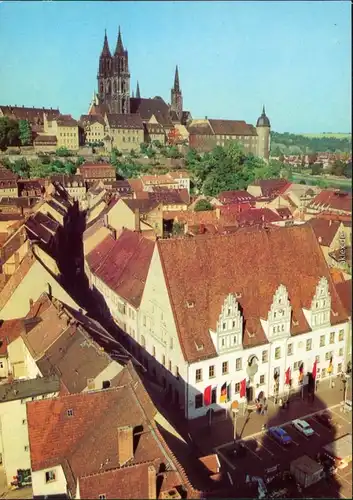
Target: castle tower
x,y
263,129
176,98
114,78
138,95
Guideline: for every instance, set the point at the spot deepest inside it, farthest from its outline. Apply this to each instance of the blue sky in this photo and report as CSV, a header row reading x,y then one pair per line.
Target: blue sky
x,y
295,57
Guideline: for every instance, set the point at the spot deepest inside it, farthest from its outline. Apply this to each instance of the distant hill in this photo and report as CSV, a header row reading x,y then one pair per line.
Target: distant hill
x,y
287,143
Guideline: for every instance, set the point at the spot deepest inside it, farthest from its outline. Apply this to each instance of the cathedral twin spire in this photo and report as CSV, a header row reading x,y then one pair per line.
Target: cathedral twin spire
x,y
119,50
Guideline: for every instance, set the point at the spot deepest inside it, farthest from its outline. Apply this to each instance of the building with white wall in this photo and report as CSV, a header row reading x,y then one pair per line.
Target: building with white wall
x,y
247,306
14,442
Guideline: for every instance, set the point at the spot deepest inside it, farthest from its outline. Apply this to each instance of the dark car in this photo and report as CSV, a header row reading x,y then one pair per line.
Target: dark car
x,y
280,435
237,451
324,418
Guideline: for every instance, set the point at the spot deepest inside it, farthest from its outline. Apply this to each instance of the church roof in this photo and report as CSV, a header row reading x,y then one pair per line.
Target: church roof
x,y
148,107
130,121
231,127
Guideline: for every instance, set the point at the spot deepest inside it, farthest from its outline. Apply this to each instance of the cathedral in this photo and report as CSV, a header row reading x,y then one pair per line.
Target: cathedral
x,y
114,94
117,116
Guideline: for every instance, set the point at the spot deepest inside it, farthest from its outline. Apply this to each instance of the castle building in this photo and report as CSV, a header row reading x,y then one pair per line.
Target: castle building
x,y
161,120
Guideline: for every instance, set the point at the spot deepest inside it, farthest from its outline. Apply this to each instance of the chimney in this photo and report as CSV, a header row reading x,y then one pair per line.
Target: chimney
x,y
330,222
137,220
218,213
152,483
30,303
125,445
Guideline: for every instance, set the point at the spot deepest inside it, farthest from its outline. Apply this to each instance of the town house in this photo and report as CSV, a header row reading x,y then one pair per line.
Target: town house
x,y
265,303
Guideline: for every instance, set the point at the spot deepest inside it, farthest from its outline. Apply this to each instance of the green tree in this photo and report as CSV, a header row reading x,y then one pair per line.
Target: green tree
x,y
37,169
302,181
348,170
63,152
9,133
316,169
202,205
338,168
144,147
21,167
25,132
80,160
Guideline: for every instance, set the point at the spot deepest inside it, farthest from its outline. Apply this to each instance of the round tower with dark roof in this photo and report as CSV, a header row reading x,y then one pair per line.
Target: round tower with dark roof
x,y
263,129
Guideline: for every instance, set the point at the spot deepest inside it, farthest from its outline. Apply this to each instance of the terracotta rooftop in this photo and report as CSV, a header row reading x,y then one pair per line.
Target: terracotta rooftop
x,y
123,264
125,121
288,256
235,197
325,230
33,115
344,290
170,196
80,432
10,330
136,184
257,216
333,200
272,187
143,205
16,278
75,358
232,127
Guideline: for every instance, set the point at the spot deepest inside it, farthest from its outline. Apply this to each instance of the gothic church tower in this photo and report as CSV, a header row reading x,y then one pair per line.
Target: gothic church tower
x,y
176,100
114,78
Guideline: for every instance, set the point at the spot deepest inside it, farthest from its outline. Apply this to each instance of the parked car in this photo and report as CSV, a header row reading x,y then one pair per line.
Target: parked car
x,y
280,435
324,418
237,451
303,427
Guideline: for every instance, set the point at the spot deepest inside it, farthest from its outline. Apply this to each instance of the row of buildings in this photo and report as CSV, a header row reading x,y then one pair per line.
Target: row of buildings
x,y
118,119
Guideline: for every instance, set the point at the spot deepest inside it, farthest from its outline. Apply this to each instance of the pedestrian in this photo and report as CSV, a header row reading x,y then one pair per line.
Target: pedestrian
x,y
265,409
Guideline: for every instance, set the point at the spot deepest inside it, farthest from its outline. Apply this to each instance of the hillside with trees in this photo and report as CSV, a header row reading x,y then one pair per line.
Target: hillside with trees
x,y
293,144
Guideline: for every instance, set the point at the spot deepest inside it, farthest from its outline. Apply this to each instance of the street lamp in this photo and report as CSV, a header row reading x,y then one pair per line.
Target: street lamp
x,y
235,414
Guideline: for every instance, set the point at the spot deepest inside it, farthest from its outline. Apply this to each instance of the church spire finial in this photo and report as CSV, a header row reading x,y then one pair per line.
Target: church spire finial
x,y
138,95
176,80
106,50
263,110
119,45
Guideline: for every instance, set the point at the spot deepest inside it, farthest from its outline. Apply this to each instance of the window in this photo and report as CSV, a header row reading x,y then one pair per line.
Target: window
x,y
50,476
238,364
163,360
264,356
24,421
198,401
234,338
340,335
224,326
322,340
332,337
105,384
328,355
224,367
198,376
144,320
223,341
70,412
214,395
211,372
153,351
143,341
296,365
262,379
339,367
317,359
26,448
102,496
340,352
289,349
237,388
277,353
308,344
176,372
323,373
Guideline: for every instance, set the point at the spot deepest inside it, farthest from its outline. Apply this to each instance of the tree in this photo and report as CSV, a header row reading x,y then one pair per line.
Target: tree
x,y
143,147
63,152
302,181
338,168
80,160
37,169
21,167
25,132
348,170
202,205
316,169
9,133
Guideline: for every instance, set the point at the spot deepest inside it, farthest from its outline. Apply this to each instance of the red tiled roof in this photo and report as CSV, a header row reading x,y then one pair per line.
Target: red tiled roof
x,y
85,443
333,199
232,127
273,187
33,115
240,196
136,184
10,330
97,256
250,263
124,265
170,196
124,121
344,290
325,230
257,216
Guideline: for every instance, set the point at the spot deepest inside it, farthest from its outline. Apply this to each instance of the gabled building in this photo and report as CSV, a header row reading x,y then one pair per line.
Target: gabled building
x,y
103,444
14,442
332,235
117,270
99,171
268,188
334,201
209,324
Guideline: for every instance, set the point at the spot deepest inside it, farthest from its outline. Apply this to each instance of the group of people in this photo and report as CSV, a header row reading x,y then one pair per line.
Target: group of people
x,y
261,404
